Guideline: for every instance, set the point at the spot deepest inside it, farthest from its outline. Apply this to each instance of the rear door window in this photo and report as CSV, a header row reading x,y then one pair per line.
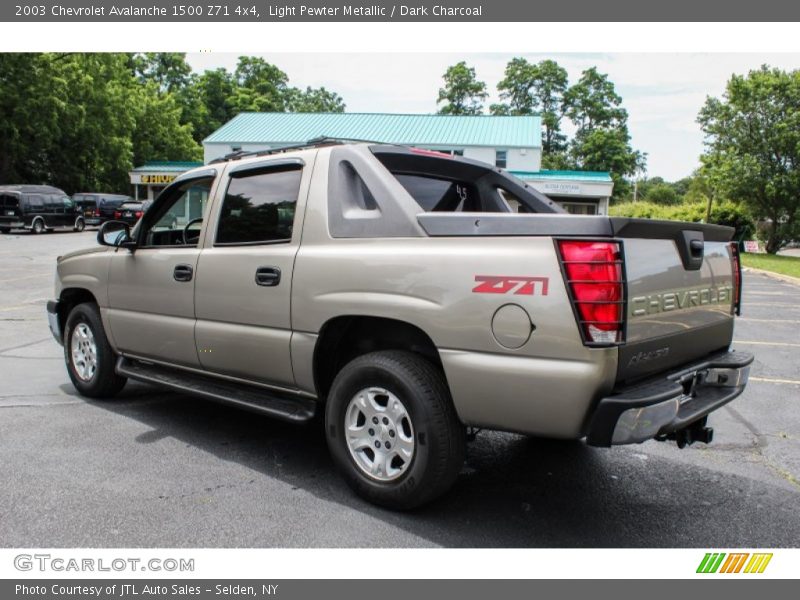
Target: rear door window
x,y
259,206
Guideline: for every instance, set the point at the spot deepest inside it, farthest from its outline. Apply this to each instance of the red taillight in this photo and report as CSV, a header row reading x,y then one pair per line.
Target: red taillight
x,y
139,214
593,272
736,264
96,212
117,214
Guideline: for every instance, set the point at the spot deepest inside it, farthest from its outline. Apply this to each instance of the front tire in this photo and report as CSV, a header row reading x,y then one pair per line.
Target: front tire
x,y
89,357
392,429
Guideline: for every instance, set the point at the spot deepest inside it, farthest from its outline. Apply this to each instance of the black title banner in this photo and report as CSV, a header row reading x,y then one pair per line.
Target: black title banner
x,y
381,10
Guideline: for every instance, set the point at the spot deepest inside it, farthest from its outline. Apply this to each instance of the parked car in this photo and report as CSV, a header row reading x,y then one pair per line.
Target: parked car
x,y
407,296
131,212
97,207
38,208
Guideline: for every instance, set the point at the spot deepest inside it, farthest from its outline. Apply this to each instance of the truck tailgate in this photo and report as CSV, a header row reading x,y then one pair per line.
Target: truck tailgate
x,y
681,293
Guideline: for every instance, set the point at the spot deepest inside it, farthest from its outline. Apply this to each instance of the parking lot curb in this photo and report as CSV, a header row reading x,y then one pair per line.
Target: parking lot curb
x,y
773,275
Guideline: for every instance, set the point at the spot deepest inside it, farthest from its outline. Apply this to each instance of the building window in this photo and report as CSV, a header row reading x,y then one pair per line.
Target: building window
x,y
579,208
501,158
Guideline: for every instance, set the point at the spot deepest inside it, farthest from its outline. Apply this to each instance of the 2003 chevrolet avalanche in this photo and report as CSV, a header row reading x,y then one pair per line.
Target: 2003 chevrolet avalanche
x,y
408,295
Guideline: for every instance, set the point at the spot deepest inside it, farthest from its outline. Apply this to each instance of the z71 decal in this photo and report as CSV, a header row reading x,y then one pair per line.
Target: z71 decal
x,y
521,286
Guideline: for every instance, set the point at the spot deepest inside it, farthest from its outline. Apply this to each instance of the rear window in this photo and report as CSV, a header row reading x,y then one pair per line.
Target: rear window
x,y
439,183
111,202
434,195
8,201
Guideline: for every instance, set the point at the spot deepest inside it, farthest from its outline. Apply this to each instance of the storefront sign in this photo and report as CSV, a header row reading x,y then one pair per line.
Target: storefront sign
x,y
157,179
561,188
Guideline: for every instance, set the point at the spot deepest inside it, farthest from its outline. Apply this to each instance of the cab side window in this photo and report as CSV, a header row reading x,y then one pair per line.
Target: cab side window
x,y
167,222
259,206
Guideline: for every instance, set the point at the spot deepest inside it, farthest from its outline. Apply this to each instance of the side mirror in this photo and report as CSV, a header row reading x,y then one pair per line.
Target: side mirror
x,y
116,234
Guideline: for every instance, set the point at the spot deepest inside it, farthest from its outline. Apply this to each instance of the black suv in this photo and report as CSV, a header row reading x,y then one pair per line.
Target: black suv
x,y
97,207
38,208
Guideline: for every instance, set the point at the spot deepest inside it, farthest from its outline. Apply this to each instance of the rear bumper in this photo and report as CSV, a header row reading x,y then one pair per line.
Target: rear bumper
x,y
92,220
52,320
669,403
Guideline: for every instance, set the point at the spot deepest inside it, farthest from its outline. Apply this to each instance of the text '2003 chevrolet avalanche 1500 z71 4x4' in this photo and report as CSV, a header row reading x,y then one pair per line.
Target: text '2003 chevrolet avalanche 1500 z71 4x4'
x,y
406,295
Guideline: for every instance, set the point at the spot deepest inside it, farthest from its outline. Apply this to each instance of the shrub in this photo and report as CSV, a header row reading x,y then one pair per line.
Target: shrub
x,y
722,213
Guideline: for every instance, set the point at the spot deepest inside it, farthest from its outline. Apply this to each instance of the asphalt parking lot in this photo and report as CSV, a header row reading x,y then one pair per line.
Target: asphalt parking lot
x,y
157,469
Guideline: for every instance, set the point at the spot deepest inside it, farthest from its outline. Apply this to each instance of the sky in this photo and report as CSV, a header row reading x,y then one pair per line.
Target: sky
x,y
663,92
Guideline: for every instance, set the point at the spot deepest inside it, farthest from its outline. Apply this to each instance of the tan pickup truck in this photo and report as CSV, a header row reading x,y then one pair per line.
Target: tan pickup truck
x,y
408,296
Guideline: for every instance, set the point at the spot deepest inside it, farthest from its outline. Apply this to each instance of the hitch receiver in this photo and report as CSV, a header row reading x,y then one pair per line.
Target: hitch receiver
x,y
695,432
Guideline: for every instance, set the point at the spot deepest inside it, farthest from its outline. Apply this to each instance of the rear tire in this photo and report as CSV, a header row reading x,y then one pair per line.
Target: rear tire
x,y
37,226
89,357
398,403
80,225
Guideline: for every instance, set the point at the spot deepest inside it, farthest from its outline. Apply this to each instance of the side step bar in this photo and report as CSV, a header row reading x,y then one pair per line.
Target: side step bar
x,y
296,409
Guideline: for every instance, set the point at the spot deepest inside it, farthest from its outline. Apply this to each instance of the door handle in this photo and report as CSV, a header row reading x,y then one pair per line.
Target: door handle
x,y
268,276
183,273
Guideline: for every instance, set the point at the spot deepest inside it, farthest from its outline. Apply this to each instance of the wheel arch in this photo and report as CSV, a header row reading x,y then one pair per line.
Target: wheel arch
x,y
68,299
343,338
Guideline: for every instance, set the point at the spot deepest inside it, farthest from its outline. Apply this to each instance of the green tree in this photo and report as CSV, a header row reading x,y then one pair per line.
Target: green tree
x,y
207,102
753,147
31,107
462,93
536,89
93,148
602,140
593,102
662,193
646,183
682,186
515,89
80,121
168,70
260,86
158,133
314,100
